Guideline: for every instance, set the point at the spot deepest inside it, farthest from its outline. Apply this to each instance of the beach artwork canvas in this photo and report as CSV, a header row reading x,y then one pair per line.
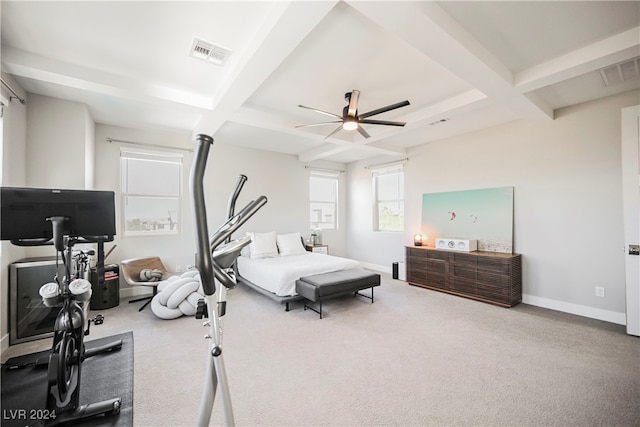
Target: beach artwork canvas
x,y
485,215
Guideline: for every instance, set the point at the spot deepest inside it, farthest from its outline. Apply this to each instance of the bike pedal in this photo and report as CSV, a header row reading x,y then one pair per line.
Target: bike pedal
x,y
201,310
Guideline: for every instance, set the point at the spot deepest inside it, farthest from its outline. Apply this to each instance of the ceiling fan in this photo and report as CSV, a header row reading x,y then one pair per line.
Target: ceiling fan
x,y
351,120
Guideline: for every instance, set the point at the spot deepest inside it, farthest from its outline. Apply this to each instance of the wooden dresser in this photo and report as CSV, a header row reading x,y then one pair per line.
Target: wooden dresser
x,y
491,277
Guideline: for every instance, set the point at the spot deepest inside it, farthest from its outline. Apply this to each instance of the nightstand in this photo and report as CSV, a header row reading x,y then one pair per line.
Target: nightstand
x,y
320,249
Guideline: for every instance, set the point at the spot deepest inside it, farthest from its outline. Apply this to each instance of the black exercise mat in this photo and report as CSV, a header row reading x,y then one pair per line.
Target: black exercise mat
x,y
104,376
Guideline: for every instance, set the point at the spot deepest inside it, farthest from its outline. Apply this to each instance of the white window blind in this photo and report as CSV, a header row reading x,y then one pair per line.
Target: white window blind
x,y
151,191
388,196
323,200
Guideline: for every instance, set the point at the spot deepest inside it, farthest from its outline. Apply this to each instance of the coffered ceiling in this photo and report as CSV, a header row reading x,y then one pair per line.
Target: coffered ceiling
x,y
462,65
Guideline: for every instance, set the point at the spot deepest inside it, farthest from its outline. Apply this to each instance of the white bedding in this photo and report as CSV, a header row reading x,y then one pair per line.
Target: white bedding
x,y
279,274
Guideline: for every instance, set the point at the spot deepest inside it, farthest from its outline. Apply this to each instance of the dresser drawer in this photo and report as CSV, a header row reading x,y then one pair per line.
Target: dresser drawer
x,y
437,280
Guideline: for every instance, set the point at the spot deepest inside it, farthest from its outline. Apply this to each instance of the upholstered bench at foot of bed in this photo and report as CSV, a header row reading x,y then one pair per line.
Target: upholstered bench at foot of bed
x,y
322,286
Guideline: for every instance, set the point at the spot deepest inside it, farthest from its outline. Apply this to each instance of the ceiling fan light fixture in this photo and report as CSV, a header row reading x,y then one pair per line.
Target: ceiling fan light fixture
x,y
350,120
350,125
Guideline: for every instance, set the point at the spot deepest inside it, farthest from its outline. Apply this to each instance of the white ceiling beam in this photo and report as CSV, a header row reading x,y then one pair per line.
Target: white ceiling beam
x,y
274,122
283,30
381,148
612,50
466,101
339,146
322,152
455,105
277,122
269,120
28,65
430,30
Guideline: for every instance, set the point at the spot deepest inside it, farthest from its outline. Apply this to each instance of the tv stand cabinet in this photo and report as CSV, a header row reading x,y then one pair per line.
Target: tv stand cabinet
x,y
490,277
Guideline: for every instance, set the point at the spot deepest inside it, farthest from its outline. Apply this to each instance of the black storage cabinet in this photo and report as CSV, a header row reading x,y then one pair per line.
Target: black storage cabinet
x,y
106,295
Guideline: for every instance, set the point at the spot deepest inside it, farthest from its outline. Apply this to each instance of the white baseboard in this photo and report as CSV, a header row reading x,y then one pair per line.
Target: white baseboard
x,y
565,307
134,291
376,267
580,310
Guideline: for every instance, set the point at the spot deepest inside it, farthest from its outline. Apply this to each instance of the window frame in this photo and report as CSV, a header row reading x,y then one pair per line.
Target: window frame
x,y
161,156
328,175
375,174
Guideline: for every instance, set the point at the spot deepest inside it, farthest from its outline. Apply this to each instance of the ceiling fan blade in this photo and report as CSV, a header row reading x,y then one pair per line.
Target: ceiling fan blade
x,y
381,122
384,109
363,132
318,124
320,111
334,132
353,103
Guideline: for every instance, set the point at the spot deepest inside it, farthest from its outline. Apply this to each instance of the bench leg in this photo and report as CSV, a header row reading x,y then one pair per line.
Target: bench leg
x,y
313,309
366,296
319,309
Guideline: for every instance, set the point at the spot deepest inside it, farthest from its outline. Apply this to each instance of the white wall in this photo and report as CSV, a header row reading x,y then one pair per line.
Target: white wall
x,y
57,136
566,176
377,249
281,178
59,148
14,137
89,151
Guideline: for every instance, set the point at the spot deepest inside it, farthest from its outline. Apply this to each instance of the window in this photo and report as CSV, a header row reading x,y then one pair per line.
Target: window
x,y
323,200
388,194
151,184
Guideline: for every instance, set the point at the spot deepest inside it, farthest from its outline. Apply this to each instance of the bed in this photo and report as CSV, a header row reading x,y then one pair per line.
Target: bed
x,y
273,263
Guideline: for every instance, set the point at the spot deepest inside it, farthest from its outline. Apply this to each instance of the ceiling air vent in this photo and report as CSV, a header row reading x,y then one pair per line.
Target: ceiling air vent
x,y
620,73
209,52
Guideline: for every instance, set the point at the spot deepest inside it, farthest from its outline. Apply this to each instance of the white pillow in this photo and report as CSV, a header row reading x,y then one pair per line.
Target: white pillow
x,y
290,244
246,251
263,245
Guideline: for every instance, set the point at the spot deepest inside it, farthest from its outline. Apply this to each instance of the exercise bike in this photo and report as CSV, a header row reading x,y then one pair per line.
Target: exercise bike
x,y
68,350
70,292
216,256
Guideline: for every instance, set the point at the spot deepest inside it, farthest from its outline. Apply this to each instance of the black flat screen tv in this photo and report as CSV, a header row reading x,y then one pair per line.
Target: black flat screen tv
x,y
24,213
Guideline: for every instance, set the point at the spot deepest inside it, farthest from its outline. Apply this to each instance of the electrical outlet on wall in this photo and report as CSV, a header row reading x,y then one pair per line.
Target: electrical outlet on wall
x,y
600,291
178,268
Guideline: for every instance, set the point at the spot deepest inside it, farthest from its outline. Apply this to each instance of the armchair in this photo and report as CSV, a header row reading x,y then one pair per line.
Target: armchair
x,y
131,269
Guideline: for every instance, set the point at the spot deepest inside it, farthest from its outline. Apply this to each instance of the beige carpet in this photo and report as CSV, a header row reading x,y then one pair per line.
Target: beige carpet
x,y
413,358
